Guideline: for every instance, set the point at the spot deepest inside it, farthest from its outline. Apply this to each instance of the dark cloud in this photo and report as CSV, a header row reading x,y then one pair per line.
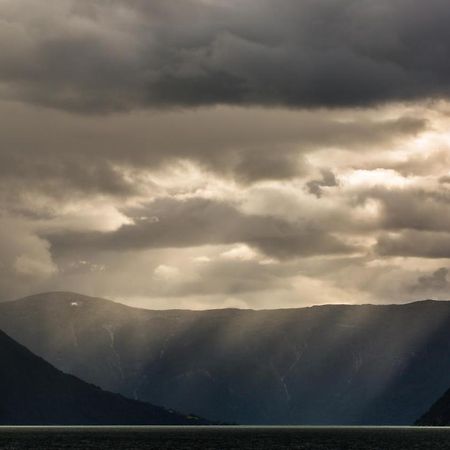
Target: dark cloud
x,y
412,207
196,222
96,55
411,243
437,281
69,173
328,180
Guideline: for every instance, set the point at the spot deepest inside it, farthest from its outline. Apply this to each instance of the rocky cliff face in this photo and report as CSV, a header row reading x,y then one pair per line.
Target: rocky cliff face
x,y
32,392
319,365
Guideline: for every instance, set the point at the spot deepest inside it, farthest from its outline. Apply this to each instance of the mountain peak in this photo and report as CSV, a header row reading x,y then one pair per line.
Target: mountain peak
x,y
60,296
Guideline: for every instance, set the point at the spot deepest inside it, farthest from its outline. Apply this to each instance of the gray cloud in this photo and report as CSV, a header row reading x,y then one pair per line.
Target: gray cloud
x,y
96,55
228,278
25,260
59,155
409,207
219,117
437,281
423,164
328,180
196,222
411,243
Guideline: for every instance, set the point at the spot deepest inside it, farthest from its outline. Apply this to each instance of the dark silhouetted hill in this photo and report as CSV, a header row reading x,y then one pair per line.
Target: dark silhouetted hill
x,y
438,414
32,392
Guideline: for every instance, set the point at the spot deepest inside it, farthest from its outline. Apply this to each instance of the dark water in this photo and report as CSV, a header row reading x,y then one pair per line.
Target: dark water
x,y
222,438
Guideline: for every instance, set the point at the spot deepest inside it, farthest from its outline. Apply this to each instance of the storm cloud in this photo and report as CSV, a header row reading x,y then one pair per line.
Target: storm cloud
x,y
225,153
97,55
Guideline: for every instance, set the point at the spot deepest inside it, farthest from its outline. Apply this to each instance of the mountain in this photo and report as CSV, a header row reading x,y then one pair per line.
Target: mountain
x,y
438,414
340,364
32,392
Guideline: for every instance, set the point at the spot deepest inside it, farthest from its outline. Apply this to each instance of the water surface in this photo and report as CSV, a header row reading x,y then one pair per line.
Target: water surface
x,y
223,438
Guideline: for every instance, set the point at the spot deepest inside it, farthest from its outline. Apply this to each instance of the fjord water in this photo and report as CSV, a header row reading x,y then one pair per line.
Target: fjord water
x,y
224,438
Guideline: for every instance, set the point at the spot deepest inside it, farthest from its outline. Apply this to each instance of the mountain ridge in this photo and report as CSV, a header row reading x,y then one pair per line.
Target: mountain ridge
x,y
46,294
331,364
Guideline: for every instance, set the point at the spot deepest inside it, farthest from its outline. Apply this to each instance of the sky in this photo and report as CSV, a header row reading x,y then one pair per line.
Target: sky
x,y
210,153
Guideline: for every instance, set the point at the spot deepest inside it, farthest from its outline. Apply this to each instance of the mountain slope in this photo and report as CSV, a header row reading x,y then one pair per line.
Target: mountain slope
x,y
320,365
32,392
438,414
